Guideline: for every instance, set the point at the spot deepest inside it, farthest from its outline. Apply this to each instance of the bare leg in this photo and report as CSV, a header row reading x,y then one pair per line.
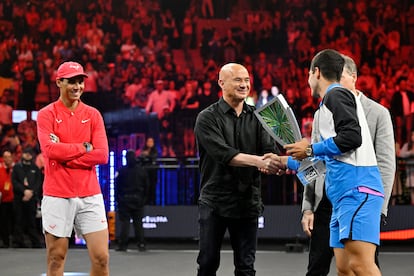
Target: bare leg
x,y
57,249
361,256
342,263
97,243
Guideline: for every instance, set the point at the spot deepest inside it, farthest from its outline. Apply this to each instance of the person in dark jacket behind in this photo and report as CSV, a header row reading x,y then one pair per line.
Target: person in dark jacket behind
x,y
131,189
148,157
27,185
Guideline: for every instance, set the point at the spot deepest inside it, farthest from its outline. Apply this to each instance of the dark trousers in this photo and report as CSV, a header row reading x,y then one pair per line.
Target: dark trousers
x,y
25,222
153,178
124,215
243,239
6,222
320,253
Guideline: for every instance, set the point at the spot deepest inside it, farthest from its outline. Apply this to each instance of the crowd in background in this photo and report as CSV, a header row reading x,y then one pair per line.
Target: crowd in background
x,y
128,46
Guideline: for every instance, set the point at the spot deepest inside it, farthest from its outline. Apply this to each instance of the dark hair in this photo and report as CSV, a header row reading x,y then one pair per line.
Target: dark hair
x,y
5,149
29,150
130,158
7,127
330,64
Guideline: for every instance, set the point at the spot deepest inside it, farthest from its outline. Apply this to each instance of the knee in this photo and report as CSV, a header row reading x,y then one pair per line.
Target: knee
x,y
208,264
56,260
101,260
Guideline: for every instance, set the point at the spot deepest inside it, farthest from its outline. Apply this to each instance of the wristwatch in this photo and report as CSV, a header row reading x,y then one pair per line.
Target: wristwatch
x,y
309,150
87,146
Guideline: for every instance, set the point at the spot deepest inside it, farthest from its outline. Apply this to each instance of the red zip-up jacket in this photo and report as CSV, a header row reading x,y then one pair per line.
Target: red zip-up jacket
x,y
6,187
69,169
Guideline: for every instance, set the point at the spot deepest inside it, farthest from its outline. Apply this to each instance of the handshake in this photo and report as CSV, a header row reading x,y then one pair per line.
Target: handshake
x,y
273,164
277,164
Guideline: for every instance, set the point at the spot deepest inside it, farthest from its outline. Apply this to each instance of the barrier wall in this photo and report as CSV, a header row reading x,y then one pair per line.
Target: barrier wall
x,y
278,222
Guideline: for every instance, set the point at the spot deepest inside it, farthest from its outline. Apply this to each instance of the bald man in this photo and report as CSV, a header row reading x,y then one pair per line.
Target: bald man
x,y
231,143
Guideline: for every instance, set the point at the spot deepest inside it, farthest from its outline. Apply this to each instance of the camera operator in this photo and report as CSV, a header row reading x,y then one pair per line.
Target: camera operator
x,y
131,185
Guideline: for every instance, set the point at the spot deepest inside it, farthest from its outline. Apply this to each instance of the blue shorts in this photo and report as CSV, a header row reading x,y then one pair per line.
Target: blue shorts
x,y
356,217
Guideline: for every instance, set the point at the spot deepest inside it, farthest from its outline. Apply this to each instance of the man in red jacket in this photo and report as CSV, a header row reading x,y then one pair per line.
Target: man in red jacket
x,y
6,198
73,141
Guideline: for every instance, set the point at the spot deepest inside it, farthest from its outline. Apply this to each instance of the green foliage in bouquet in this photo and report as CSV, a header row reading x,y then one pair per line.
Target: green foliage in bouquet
x,y
276,119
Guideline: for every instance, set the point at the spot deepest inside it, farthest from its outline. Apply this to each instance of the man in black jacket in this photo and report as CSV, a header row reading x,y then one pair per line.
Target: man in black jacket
x,y
131,188
27,187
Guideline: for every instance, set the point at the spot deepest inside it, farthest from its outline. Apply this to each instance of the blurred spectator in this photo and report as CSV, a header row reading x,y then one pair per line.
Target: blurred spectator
x,y
42,97
207,9
27,183
106,94
45,25
40,162
307,130
6,198
263,98
187,31
29,140
261,62
303,49
148,157
162,102
230,50
24,51
265,33
215,47
143,92
90,94
131,184
407,151
27,126
32,19
30,80
127,49
6,112
367,82
189,109
206,96
82,26
175,93
66,52
59,25
9,138
410,24
401,110
295,102
169,26
126,29
250,39
131,91
8,10
94,33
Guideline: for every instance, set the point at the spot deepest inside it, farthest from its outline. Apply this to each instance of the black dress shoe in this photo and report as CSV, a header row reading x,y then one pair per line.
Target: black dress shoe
x,y
122,249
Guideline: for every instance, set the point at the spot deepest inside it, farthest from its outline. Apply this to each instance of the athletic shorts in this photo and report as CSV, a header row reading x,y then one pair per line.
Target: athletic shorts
x,y
356,217
84,214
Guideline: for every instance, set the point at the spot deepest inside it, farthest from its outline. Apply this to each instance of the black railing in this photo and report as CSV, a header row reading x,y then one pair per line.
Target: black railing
x,y
178,183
